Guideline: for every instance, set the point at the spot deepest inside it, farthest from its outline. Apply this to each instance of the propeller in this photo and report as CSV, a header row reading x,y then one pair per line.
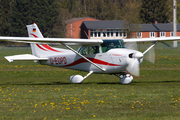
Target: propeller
x,y
134,63
149,54
131,45
134,60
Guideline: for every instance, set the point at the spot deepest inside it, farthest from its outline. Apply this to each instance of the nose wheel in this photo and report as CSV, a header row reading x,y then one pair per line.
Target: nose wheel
x,y
124,78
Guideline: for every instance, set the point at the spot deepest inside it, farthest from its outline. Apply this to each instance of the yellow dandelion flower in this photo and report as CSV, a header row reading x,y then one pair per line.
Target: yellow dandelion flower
x,y
51,104
67,108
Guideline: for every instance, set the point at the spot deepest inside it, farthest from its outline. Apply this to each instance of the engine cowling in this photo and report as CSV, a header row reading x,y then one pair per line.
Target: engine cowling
x,y
126,79
76,79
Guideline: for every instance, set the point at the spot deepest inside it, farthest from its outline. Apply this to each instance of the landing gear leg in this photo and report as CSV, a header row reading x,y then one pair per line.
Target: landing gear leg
x,y
124,78
79,78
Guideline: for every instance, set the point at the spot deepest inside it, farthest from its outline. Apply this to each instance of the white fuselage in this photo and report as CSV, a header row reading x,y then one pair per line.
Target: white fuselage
x,y
113,61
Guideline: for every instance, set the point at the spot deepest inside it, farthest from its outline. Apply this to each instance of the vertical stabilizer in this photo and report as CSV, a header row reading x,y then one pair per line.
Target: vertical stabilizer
x,y
41,50
34,32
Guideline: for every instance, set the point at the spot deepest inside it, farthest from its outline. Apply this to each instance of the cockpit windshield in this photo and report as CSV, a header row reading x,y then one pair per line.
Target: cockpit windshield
x,y
111,44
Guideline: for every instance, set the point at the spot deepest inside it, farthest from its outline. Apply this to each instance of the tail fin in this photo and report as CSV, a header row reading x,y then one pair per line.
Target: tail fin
x,y
40,50
34,32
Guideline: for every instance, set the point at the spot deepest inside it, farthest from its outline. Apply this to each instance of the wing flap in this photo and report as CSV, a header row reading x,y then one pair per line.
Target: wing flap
x,y
23,57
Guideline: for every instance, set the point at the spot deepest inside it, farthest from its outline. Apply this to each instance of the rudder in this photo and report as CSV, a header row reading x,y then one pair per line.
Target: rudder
x,y
34,31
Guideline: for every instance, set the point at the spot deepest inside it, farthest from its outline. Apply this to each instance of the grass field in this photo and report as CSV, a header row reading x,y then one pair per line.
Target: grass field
x,y
34,92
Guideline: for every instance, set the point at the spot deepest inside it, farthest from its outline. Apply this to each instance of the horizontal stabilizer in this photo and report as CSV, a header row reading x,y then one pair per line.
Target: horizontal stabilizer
x,y
23,57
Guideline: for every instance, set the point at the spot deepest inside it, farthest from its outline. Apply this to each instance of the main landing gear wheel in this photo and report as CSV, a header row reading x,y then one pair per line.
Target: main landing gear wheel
x,y
125,78
76,79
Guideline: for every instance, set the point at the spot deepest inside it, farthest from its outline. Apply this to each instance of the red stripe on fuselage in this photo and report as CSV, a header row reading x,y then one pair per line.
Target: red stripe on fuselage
x,y
50,48
45,45
82,60
41,47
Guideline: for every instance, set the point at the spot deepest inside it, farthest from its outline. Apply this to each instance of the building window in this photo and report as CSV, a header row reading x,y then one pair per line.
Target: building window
x,y
172,33
162,34
108,33
152,34
92,33
98,33
104,33
120,33
124,34
95,33
139,34
112,32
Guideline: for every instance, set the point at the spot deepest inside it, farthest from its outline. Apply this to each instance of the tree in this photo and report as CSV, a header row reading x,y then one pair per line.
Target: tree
x,y
43,13
178,12
99,9
5,12
130,13
59,29
102,9
170,12
154,10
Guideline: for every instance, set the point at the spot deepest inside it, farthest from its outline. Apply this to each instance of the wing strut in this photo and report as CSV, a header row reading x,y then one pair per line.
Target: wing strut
x,y
84,57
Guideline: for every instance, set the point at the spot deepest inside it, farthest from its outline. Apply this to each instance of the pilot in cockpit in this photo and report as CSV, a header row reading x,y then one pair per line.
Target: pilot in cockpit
x,y
111,46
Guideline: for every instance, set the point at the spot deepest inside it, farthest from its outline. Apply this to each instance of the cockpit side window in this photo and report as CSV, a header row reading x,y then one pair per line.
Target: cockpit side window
x,y
93,49
83,51
111,44
89,50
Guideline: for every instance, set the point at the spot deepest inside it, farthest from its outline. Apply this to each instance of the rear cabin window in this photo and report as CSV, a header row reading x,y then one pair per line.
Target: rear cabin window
x,y
111,44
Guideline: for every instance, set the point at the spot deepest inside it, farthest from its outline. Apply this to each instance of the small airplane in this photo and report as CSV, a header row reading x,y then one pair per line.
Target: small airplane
x,y
94,55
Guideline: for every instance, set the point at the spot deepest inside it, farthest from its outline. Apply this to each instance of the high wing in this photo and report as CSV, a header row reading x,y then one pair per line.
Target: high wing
x,y
161,39
53,40
81,41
